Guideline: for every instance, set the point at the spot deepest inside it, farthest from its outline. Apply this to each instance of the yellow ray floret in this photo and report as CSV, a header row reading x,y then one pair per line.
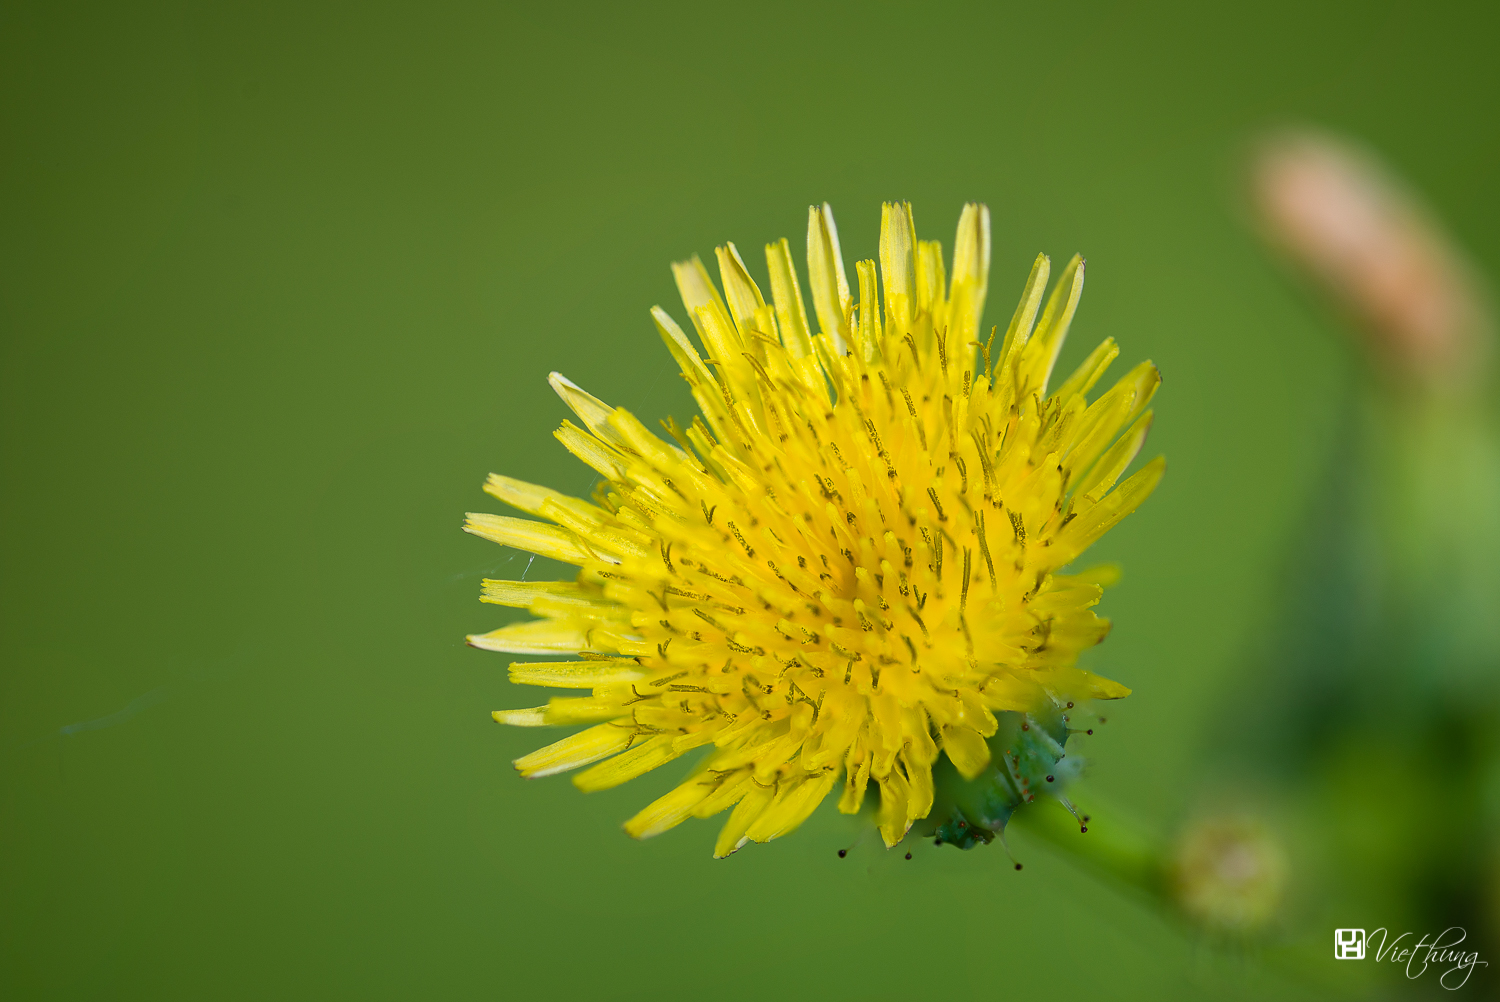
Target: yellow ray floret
x,y
850,561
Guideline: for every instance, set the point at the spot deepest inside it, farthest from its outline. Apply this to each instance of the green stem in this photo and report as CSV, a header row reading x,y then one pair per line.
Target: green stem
x,y
1111,847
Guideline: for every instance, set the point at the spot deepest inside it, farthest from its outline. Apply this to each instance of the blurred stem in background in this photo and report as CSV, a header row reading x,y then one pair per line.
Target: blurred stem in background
x,y
1370,709
1353,775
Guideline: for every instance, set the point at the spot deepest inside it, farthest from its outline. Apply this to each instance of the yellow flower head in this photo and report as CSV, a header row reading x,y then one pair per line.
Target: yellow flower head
x,y
850,561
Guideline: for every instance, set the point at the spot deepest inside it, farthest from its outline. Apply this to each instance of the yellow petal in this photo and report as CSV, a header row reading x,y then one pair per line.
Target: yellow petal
x,y
894,796
1077,535
732,835
575,750
726,795
627,765
919,799
1005,691
706,309
791,314
534,537
590,409
680,347
1100,687
671,810
971,270
1103,575
607,462
533,717
521,594
1086,375
1021,321
856,779
932,282
518,493
541,636
575,674
867,334
1093,485
968,752
740,289
898,245
1041,351
790,810
825,273
582,709
1107,415
1077,683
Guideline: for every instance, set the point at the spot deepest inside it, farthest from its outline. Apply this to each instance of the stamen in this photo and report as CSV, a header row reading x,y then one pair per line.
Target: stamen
x,y
932,493
963,599
1016,524
710,621
739,536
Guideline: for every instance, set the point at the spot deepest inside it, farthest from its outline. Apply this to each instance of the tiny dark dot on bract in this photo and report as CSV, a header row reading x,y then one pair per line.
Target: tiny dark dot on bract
x,y
843,853
937,841
1085,819
1083,829
1089,731
963,824
1018,866
1025,727
1049,779
1070,704
908,855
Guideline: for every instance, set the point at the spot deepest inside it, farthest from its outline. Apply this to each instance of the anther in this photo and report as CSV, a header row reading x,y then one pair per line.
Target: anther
x,y
984,548
932,493
963,600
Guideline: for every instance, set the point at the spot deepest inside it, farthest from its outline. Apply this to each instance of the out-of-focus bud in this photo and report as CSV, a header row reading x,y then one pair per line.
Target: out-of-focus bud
x,y
1340,216
1229,874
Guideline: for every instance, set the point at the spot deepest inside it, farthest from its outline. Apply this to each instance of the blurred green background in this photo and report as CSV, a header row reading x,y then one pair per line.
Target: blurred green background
x,y
279,287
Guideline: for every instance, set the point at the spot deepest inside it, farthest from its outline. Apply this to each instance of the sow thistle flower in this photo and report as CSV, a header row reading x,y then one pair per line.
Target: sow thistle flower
x,y
850,562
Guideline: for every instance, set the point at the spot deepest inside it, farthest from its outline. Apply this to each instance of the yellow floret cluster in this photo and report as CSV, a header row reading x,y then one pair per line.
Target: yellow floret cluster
x,y
850,561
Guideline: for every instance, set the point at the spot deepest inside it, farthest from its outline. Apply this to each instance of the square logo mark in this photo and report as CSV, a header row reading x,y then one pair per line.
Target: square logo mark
x,y
1349,944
